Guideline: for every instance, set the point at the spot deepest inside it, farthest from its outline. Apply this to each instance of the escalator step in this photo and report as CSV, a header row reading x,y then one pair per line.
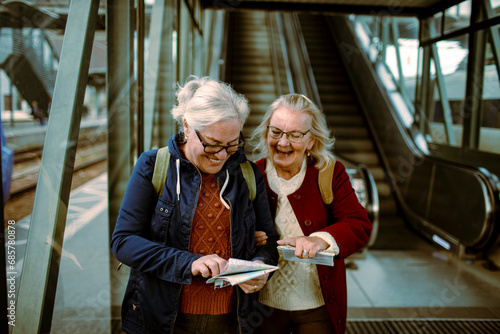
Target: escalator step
x,y
351,132
366,158
249,88
354,145
336,121
340,110
260,98
254,79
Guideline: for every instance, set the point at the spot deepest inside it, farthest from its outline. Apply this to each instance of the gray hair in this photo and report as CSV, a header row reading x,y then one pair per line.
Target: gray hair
x,y
323,144
204,101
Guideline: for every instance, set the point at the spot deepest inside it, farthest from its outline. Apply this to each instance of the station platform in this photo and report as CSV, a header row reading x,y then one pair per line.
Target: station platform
x,y
402,285
26,135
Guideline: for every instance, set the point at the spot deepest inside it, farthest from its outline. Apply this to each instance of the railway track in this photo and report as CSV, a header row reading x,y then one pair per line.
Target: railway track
x,y
26,167
90,162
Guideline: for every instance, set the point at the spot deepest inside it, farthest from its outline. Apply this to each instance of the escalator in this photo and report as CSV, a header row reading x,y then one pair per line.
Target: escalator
x,y
249,65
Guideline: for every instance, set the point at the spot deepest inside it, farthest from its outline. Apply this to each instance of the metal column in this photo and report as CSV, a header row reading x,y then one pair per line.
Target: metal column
x,y
35,303
121,101
475,82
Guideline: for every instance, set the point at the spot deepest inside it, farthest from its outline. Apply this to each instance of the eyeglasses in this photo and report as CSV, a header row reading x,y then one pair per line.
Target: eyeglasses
x,y
230,149
292,136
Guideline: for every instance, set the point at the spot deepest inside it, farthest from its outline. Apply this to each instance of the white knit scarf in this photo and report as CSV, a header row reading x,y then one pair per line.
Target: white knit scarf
x,y
296,285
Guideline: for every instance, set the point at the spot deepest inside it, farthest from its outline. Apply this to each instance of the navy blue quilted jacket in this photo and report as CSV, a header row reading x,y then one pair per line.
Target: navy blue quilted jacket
x,y
152,237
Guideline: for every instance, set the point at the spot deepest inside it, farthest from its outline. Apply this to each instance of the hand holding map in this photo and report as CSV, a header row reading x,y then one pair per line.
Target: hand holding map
x,y
238,271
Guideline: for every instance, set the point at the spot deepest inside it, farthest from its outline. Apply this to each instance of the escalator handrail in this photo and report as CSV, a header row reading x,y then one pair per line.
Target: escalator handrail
x,y
271,18
284,52
373,204
311,81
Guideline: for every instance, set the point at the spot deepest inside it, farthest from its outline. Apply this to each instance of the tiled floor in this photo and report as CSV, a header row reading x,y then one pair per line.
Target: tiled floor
x,y
404,276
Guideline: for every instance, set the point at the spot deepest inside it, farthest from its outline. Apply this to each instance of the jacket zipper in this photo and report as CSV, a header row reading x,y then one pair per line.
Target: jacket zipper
x,y
189,244
232,254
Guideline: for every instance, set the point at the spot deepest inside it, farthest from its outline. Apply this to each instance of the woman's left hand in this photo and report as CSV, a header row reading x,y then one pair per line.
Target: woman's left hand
x,y
260,238
305,247
255,284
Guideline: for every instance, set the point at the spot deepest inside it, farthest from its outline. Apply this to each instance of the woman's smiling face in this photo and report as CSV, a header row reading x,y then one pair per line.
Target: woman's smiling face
x,y
225,132
288,156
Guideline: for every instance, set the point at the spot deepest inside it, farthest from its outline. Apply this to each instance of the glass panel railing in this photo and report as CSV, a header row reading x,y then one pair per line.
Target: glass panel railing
x,y
393,42
432,26
495,5
457,17
448,82
489,133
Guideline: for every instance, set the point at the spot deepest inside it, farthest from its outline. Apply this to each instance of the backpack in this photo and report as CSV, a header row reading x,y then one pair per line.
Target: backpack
x,y
161,169
325,179
325,176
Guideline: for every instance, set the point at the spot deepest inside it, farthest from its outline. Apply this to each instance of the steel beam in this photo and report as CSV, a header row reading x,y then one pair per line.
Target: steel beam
x,y
37,291
445,102
474,82
120,81
494,36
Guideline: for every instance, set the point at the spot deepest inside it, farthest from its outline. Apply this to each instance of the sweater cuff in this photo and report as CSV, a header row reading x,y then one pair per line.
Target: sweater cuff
x,y
329,239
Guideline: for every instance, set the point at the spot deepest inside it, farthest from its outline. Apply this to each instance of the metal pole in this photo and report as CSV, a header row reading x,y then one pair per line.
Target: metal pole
x,y
35,303
120,82
3,294
140,22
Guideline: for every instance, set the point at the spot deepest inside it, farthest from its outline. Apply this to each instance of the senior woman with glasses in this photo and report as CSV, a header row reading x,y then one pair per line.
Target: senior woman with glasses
x,y
204,216
303,297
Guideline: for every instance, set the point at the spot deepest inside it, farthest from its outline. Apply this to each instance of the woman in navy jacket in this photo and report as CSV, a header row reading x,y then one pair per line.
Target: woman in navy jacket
x,y
303,297
204,216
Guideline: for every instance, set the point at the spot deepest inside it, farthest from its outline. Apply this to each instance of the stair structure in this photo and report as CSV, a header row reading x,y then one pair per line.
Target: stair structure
x,y
30,62
250,69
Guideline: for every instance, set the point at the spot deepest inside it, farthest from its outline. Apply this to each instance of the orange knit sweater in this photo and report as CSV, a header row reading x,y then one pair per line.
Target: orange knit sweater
x,y
210,234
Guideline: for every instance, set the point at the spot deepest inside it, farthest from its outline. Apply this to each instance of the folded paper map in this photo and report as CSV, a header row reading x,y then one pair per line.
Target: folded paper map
x,y
325,258
239,271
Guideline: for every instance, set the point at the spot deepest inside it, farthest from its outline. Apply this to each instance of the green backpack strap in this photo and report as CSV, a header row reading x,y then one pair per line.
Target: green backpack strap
x,y
325,179
248,174
161,169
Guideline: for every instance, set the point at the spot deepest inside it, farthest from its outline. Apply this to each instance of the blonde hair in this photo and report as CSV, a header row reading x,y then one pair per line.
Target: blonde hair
x,y
323,143
204,101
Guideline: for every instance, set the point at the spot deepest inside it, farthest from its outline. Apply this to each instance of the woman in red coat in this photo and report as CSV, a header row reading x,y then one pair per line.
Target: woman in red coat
x,y
295,144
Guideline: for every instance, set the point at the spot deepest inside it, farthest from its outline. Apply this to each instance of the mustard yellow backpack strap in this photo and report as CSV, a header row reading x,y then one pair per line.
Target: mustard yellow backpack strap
x,y
325,179
248,174
161,169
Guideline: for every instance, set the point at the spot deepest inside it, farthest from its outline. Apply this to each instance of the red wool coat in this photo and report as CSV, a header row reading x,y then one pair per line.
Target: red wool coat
x,y
345,219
